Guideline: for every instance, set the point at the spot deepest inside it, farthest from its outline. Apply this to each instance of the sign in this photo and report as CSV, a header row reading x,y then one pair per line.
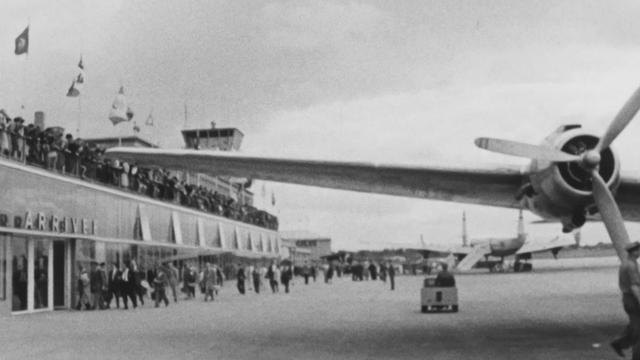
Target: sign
x,y
51,223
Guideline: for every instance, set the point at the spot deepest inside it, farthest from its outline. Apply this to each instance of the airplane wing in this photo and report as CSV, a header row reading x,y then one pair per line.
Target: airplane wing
x,y
489,186
533,246
456,250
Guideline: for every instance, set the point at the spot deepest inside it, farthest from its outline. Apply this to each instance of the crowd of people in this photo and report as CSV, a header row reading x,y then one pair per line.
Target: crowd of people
x,y
102,287
54,150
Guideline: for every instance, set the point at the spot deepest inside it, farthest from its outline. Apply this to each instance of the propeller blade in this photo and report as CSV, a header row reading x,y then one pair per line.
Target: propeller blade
x,y
624,117
509,147
610,215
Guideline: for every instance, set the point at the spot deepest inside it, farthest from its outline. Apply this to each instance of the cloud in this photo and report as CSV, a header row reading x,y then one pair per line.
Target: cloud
x,y
313,25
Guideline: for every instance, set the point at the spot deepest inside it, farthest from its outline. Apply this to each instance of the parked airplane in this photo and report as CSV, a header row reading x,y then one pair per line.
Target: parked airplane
x,y
521,246
572,174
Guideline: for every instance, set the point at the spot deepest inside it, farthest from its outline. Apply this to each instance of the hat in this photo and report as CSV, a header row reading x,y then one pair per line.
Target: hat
x,y
632,246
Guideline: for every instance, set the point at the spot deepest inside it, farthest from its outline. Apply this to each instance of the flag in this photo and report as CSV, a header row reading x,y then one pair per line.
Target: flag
x,y
78,82
129,114
119,107
22,42
149,121
73,91
80,77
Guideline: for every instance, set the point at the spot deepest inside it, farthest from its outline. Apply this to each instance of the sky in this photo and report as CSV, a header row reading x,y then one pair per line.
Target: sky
x,y
394,82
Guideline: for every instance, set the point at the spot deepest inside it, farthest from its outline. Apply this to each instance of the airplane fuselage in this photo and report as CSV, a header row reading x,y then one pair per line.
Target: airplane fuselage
x,y
500,247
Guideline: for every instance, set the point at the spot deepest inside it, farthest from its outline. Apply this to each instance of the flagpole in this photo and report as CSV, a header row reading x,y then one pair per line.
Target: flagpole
x,y
25,68
79,116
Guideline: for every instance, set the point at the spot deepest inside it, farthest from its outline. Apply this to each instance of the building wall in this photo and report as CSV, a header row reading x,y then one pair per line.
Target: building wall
x,y
113,213
317,247
105,224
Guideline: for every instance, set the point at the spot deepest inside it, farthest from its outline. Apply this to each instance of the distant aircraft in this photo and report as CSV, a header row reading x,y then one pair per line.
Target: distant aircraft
x,y
573,174
521,246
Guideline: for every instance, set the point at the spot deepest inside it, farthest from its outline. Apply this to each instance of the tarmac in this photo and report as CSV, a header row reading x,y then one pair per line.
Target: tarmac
x,y
555,312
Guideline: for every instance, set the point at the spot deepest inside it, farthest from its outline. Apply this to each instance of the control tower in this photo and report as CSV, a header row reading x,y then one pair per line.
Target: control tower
x,y
225,139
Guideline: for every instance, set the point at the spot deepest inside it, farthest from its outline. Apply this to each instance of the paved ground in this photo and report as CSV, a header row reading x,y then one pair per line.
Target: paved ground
x,y
566,314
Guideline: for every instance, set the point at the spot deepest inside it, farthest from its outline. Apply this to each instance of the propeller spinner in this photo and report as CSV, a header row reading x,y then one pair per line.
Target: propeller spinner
x,y
589,160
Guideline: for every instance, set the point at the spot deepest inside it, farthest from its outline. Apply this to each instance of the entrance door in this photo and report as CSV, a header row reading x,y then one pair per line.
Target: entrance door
x,y
20,277
59,250
32,278
41,264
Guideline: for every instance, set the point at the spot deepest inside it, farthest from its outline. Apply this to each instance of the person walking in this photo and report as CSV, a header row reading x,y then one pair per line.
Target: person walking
x,y
629,283
159,284
137,276
391,272
271,275
306,272
128,287
209,279
314,272
249,275
84,290
113,289
173,276
285,277
190,279
241,277
98,282
255,275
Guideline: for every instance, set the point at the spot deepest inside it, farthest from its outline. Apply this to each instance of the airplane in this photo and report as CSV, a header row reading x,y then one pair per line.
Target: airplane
x,y
522,246
573,174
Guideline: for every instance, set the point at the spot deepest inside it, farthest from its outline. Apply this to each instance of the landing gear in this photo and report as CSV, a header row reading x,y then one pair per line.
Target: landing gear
x,y
522,266
497,267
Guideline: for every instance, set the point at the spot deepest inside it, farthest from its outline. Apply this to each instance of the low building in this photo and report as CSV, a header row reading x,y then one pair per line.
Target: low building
x,y
317,245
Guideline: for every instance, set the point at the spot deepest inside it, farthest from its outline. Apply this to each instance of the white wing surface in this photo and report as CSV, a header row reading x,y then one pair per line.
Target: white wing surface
x,y
537,245
484,186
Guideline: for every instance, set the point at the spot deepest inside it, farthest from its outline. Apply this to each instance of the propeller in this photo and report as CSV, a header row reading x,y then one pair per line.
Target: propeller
x,y
588,160
515,148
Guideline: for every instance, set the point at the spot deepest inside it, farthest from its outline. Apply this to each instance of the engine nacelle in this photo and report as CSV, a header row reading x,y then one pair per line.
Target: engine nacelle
x,y
563,190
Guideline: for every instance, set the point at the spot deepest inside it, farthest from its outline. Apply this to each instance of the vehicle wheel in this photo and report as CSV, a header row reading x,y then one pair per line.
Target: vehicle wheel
x,y
454,308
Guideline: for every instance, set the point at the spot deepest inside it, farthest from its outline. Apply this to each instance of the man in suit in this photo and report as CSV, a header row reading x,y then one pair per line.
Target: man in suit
x,y
114,285
240,277
97,284
160,282
306,272
173,279
391,271
128,287
629,283
285,277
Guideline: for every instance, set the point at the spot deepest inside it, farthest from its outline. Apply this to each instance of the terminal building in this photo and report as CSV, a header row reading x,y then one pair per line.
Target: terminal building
x,y
53,224
307,244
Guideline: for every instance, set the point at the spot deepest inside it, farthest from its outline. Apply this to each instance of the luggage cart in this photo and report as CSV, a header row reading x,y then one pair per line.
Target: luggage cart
x,y
438,299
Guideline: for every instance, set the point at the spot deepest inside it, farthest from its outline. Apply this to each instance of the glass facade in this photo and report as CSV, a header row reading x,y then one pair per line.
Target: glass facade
x,y
19,264
47,236
41,273
3,268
